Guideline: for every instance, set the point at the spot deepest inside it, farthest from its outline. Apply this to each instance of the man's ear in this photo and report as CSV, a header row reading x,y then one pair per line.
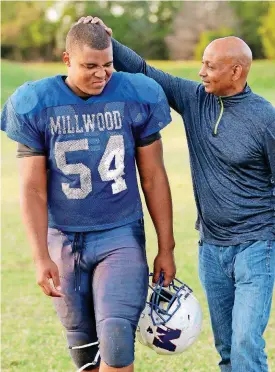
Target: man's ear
x,y
66,59
237,72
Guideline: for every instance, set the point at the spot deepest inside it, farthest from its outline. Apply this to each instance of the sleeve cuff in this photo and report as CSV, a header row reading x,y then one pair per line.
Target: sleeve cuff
x,y
142,142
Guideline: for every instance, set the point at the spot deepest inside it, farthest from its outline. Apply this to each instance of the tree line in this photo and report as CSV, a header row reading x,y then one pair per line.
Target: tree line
x,y
36,30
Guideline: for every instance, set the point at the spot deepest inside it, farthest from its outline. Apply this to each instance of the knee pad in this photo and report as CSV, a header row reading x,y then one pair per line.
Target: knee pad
x,y
117,337
84,352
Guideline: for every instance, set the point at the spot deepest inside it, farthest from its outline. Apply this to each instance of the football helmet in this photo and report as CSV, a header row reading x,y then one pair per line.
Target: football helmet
x,y
172,318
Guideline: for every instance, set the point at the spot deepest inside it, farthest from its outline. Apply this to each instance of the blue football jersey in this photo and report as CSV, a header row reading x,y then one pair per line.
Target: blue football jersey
x,y
89,144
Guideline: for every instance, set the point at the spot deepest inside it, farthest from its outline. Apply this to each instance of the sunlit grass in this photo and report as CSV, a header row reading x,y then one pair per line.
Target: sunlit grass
x,y
32,338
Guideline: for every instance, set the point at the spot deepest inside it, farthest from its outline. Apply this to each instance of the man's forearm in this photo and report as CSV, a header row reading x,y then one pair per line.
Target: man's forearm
x,y
35,218
159,203
125,59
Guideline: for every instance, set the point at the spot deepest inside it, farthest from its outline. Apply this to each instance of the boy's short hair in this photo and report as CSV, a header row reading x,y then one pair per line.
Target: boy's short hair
x,y
90,34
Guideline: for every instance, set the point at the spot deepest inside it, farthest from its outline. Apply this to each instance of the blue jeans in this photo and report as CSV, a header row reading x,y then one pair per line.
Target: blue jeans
x,y
238,281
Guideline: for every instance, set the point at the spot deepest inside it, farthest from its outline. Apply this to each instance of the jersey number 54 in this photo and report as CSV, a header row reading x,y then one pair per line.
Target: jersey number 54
x,y
114,150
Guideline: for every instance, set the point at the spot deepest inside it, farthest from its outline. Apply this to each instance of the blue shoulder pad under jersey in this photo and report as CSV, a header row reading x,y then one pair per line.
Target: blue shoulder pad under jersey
x,y
18,119
155,112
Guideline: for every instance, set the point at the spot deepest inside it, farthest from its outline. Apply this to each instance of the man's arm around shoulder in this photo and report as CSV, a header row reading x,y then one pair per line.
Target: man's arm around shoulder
x,y
177,90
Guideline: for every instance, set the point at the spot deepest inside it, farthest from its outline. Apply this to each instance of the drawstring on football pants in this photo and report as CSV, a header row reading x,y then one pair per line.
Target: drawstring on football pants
x,y
78,247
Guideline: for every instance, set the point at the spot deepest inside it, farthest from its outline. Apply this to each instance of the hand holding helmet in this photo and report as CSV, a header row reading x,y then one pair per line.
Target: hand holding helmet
x,y
172,318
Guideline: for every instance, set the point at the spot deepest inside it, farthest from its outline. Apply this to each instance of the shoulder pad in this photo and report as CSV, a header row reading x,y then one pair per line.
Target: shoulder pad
x,y
147,89
25,98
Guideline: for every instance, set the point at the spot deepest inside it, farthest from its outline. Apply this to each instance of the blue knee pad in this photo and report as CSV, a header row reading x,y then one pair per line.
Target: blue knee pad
x,y
84,353
117,338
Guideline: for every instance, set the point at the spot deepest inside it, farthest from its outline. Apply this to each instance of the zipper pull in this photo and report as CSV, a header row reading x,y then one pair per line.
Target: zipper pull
x,y
215,132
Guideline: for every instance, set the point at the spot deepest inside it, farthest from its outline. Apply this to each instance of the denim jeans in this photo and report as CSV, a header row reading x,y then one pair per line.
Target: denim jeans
x,y
238,281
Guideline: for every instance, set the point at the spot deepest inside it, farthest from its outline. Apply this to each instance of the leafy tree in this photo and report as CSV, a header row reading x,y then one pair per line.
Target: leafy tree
x,y
142,25
250,14
28,33
25,29
208,36
267,31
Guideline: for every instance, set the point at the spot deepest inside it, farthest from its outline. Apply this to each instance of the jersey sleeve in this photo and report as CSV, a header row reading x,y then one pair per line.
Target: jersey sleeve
x,y
19,127
24,151
155,112
146,141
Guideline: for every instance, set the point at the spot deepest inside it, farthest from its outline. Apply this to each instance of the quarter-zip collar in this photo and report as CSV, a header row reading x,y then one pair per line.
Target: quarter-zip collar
x,y
226,101
237,98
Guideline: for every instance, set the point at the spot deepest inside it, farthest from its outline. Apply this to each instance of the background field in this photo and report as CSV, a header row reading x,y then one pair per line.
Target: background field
x,y
32,338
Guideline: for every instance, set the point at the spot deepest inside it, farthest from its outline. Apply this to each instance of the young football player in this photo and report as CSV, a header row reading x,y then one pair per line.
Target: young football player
x,y
79,139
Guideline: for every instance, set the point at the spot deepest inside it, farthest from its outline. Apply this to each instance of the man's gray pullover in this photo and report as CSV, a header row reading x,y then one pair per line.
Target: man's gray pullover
x,y
232,154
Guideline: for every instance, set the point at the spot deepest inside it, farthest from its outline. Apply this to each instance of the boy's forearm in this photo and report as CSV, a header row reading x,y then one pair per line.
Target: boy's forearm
x,y
125,59
159,203
35,218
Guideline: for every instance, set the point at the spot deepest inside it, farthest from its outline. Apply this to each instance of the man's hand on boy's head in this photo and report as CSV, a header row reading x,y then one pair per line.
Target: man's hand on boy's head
x,y
90,19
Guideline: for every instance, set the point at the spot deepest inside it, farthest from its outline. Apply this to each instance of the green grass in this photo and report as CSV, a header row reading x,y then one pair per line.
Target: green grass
x,y
32,338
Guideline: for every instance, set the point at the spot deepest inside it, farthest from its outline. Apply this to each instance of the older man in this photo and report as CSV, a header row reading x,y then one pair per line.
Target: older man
x,y
231,136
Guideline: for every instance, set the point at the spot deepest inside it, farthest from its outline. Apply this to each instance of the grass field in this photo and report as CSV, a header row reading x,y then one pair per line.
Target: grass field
x,y
32,338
